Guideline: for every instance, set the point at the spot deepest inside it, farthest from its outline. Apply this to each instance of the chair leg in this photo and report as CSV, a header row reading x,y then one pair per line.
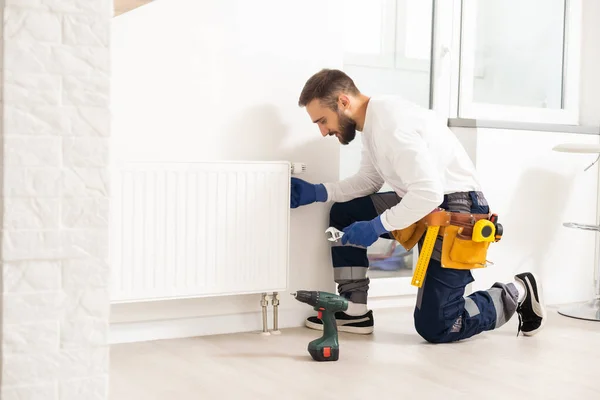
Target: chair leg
x,y
590,310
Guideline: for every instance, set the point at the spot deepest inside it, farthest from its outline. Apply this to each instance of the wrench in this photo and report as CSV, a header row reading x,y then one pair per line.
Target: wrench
x,y
333,235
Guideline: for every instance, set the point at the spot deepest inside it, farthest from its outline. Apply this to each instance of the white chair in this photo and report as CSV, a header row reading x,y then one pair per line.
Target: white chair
x,y
591,309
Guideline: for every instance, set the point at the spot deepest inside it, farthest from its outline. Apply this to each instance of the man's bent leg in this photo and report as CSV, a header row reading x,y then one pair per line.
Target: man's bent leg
x,y
350,263
442,314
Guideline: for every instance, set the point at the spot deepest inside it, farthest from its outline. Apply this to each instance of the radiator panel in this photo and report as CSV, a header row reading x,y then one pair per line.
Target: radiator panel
x,y
182,230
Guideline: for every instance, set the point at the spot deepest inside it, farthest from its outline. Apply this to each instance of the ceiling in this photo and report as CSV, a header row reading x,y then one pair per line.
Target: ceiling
x,y
122,6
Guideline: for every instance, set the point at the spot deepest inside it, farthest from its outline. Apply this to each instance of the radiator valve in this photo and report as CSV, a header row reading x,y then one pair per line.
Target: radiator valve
x,y
298,168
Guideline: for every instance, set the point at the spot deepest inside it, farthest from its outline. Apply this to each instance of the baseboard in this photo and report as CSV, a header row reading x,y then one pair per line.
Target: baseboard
x,y
143,331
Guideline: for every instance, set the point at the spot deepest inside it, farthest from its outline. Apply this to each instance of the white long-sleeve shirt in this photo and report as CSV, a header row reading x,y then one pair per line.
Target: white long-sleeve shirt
x,y
412,150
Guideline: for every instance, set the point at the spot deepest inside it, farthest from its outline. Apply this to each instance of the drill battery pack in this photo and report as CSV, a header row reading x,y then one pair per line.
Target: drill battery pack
x,y
324,353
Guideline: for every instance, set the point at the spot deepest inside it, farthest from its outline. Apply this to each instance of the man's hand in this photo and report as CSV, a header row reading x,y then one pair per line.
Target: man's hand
x,y
304,193
363,233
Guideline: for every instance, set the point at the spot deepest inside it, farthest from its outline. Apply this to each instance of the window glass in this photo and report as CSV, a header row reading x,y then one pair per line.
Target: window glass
x,y
387,50
519,53
367,39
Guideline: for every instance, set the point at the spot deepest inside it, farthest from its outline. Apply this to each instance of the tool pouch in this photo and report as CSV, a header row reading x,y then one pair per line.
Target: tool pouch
x,y
459,251
410,236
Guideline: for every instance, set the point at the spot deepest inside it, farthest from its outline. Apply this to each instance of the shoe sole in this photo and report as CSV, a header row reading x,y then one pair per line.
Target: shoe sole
x,y
361,330
541,302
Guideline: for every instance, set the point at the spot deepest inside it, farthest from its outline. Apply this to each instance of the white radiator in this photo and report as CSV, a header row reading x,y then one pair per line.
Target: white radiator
x,y
182,230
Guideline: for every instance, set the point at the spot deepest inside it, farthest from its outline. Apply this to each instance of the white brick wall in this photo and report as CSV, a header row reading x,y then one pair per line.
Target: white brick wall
x,y
55,110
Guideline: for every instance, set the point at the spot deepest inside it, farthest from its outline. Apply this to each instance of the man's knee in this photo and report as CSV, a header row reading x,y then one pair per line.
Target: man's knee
x,y
342,215
337,212
431,329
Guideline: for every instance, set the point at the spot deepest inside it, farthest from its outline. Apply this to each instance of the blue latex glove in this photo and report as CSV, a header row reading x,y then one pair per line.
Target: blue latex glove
x,y
304,193
363,233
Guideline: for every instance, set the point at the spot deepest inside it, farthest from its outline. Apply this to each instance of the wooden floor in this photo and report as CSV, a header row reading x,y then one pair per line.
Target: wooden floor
x,y
561,362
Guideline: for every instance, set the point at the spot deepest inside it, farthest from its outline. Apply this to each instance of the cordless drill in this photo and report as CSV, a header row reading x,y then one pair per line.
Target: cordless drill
x,y
326,348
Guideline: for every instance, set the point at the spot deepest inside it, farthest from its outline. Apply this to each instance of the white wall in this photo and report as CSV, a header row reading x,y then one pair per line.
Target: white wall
x,y
190,82
534,190
55,128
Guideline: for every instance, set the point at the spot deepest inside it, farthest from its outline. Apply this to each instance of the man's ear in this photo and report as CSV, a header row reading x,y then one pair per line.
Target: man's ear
x,y
343,102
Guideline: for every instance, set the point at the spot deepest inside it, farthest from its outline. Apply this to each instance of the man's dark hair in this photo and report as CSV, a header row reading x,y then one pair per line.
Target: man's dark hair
x,y
326,85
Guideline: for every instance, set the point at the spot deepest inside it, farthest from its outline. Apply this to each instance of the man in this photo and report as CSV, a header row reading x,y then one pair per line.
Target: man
x,y
415,152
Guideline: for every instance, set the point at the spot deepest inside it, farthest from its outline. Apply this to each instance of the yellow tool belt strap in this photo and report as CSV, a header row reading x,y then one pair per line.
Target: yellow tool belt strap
x,y
410,236
446,218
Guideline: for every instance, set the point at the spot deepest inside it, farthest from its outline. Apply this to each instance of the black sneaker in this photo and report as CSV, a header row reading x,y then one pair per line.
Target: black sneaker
x,y
532,313
361,324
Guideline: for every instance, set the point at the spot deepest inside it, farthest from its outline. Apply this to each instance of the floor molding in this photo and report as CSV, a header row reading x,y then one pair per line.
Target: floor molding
x,y
143,331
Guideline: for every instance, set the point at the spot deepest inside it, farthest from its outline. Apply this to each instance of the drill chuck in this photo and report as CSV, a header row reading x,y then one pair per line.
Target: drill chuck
x,y
322,301
308,297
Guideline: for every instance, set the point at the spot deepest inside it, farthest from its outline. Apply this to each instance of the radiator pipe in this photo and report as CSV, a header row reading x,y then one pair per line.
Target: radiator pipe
x,y
264,302
275,302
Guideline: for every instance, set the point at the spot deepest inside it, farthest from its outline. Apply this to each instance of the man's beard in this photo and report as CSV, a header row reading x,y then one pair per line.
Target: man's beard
x,y
347,130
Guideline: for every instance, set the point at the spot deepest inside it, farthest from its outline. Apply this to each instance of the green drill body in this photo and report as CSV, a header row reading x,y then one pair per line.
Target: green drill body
x,y
327,347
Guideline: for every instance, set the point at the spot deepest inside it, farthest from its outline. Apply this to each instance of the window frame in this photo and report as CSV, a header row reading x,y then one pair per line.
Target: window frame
x,y
451,65
466,108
